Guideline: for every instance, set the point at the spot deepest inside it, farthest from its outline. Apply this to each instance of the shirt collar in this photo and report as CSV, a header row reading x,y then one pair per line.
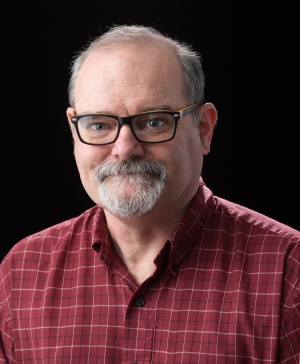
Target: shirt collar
x,y
189,228
101,240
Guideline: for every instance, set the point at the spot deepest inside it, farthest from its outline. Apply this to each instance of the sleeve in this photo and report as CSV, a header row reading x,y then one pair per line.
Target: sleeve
x,y
6,347
6,337
289,340
289,347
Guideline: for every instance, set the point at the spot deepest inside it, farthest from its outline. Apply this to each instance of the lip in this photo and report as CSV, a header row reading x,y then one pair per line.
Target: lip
x,y
129,174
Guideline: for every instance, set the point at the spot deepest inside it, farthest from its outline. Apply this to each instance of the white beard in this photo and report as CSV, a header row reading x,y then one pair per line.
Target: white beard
x,y
130,187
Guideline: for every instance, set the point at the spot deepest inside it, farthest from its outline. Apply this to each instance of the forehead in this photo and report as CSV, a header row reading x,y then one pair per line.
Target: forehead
x,y
130,72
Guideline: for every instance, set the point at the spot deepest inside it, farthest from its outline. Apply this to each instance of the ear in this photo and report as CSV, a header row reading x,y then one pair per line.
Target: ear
x,y
70,113
208,117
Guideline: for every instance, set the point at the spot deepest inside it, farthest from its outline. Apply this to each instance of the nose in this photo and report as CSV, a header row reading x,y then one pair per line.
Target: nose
x,y
126,146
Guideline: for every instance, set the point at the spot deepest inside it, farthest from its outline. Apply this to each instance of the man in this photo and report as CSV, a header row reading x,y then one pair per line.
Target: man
x,y
160,270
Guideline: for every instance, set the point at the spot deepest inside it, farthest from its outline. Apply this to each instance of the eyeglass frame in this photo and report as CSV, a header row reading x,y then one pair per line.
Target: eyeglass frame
x,y
127,120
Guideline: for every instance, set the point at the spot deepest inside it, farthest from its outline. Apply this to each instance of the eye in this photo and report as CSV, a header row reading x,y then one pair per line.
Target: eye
x,y
95,123
98,126
155,123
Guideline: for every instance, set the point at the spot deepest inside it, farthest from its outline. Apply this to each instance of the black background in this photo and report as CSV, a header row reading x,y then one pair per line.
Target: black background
x,y
250,52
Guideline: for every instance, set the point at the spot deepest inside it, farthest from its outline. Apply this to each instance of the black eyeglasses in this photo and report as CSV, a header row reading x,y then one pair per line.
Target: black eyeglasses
x,y
156,126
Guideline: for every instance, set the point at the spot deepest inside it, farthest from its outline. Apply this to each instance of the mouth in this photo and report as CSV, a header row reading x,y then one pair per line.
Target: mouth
x,y
119,175
140,168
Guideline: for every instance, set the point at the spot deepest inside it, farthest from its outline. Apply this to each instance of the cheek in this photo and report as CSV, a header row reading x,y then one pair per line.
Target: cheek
x,y
87,158
191,158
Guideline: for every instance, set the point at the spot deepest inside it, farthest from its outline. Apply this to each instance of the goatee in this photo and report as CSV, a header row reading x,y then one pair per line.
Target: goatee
x,y
130,187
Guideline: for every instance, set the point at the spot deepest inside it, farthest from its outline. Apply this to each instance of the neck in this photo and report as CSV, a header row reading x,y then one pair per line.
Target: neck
x,y
138,240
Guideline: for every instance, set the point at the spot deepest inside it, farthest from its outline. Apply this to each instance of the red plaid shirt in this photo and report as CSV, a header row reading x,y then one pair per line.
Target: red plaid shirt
x,y
226,290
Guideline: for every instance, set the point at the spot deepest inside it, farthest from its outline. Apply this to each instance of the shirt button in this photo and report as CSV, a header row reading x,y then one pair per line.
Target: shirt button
x,y
140,302
174,267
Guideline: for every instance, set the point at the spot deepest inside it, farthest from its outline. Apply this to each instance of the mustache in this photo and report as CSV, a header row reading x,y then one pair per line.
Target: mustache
x,y
109,169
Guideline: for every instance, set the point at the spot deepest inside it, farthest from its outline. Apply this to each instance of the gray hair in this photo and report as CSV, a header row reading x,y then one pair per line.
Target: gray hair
x,y
139,36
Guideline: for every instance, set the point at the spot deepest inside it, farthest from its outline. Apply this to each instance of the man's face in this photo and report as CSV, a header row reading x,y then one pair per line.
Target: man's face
x,y
128,81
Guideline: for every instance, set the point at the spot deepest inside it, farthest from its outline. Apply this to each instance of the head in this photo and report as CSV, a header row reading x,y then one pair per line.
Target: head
x,y
124,72
122,36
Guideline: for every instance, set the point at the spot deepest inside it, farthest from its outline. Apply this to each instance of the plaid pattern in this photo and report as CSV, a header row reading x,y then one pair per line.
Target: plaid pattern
x,y
226,290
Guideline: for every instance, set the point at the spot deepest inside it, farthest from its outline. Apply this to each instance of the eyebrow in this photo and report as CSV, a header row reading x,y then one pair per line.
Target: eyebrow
x,y
141,110
155,107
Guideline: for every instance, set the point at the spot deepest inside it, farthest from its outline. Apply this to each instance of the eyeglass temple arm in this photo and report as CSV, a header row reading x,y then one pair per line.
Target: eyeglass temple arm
x,y
188,110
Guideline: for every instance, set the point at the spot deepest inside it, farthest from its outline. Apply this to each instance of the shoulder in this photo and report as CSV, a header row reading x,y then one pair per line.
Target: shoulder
x,y
42,257
55,238
264,242
246,218
86,219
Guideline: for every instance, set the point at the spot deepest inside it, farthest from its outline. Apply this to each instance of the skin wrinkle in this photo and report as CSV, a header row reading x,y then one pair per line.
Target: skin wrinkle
x,y
141,110
126,96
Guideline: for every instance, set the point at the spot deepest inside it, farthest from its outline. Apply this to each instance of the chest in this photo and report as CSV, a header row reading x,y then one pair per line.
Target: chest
x,y
205,312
